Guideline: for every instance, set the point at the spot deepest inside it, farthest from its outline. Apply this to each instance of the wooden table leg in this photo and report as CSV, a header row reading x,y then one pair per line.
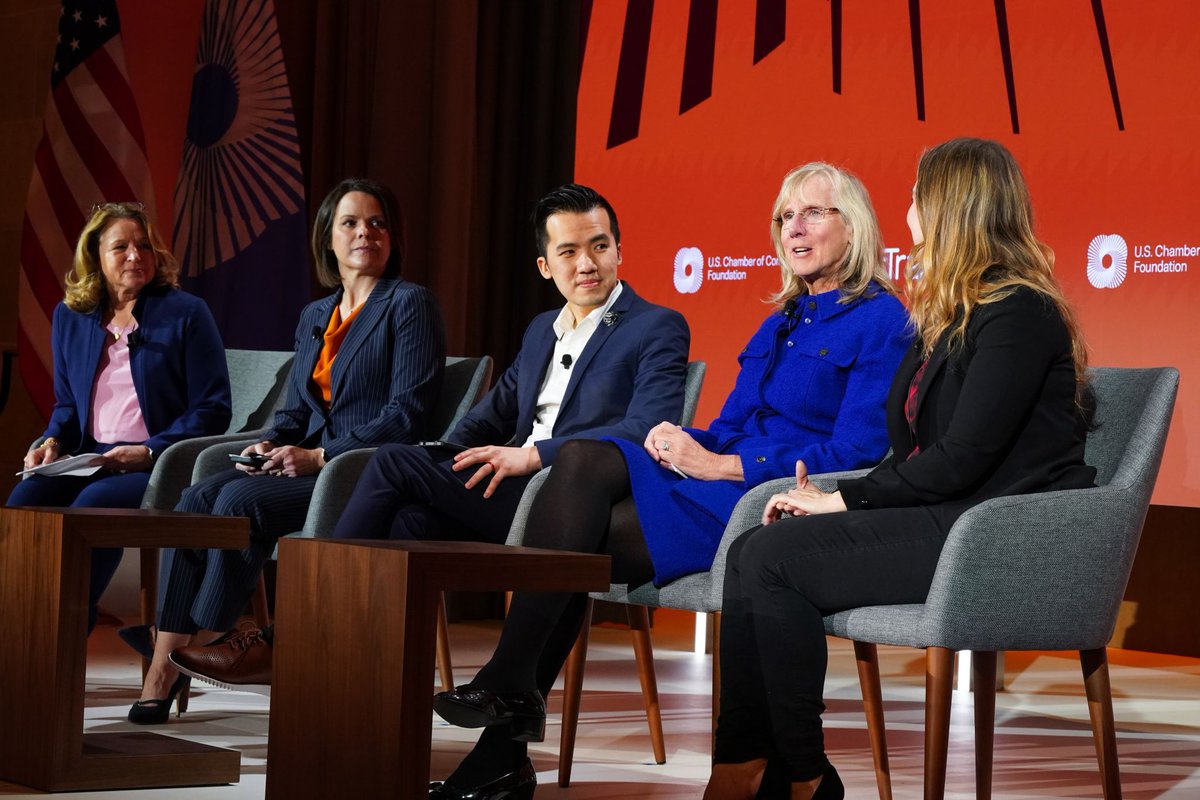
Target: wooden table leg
x,y
45,564
352,688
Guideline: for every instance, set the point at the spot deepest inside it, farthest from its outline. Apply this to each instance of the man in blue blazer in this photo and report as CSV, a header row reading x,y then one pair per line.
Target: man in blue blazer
x,y
607,364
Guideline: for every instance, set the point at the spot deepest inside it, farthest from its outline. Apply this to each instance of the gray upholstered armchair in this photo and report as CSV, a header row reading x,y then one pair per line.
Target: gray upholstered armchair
x,y
257,379
1081,544
1031,572
465,381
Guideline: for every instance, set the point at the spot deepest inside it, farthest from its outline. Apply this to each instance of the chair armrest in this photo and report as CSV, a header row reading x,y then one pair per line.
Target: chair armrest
x,y
331,495
516,532
1040,571
748,514
215,457
173,468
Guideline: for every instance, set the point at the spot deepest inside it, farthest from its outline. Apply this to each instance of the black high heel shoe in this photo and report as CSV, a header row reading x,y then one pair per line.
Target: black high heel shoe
x,y
516,785
140,638
472,707
156,711
776,785
831,787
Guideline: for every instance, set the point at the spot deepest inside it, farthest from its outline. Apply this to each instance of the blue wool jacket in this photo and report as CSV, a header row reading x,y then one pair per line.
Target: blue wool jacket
x,y
812,387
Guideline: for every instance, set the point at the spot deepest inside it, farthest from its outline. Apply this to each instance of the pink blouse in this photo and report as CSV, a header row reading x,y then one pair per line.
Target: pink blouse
x,y
116,414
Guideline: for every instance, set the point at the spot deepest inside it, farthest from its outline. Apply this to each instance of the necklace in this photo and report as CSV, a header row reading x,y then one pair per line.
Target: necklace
x,y
124,329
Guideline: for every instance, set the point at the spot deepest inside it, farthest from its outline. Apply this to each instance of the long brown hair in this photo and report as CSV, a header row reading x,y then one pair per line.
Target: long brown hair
x,y
979,246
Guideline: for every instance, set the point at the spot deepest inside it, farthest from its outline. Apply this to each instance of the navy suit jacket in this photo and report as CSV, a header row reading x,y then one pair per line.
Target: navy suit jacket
x,y
178,365
629,378
386,377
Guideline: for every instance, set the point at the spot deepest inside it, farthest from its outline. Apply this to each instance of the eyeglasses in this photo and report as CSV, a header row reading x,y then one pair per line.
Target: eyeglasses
x,y
813,215
127,207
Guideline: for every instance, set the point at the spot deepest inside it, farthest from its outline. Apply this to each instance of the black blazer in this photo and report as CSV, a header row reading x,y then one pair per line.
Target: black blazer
x,y
995,417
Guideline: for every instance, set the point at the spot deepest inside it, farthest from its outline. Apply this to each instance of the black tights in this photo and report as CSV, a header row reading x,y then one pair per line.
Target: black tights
x,y
585,506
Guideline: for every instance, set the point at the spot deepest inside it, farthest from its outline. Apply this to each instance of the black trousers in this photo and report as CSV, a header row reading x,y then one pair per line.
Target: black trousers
x,y
780,580
410,492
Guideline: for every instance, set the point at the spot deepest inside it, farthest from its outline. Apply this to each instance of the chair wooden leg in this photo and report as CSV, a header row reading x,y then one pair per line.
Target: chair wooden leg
x,y
445,668
1104,729
983,680
643,651
258,605
716,669
572,690
867,657
939,686
148,592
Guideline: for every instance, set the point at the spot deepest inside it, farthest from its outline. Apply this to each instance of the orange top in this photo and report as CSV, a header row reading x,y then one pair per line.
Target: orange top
x,y
335,333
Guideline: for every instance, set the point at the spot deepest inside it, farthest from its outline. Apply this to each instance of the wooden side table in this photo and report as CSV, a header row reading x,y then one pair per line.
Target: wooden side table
x,y
352,689
45,566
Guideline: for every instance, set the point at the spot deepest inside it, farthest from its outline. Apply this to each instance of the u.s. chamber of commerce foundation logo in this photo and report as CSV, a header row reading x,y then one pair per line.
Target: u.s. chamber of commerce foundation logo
x,y
689,270
1106,258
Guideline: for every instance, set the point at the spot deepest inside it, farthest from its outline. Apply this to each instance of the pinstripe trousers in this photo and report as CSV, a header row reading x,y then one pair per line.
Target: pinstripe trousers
x,y
208,589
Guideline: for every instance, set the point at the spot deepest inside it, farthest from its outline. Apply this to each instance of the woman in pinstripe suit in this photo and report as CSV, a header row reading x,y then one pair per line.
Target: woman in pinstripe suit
x,y
368,370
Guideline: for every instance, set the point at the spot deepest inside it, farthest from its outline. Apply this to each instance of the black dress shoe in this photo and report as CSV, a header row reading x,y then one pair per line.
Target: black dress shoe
x,y
516,785
472,707
831,787
777,784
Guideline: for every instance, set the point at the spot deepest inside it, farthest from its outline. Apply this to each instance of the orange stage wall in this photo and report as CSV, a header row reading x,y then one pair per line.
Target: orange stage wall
x,y
706,178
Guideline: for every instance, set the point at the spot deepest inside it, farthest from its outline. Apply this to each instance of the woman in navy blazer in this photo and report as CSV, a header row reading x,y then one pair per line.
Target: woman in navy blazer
x,y
989,401
368,370
811,387
151,352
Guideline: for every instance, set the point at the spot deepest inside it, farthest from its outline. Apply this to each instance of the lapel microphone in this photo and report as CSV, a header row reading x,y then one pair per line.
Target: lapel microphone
x,y
566,360
135,338
318,333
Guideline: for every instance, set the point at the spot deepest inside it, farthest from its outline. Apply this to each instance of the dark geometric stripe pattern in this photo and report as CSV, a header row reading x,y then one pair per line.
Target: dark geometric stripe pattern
x,y
770,17
698,57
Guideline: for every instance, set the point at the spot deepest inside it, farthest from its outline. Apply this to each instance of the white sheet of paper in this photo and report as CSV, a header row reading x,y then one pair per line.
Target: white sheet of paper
x,y
71,465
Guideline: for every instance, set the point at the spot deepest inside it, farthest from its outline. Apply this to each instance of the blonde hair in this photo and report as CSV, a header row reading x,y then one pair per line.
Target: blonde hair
x,y
979,246
864,255
85,280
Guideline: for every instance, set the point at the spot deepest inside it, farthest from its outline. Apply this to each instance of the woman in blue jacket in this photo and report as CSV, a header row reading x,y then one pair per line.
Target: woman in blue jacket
x,y
811,388
138,365
991,400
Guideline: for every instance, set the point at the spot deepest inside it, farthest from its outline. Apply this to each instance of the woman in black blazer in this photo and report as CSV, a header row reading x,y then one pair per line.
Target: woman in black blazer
x,y
368,371
990,401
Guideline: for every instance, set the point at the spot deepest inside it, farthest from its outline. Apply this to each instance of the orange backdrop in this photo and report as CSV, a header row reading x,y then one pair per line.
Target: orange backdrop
x,y
706,178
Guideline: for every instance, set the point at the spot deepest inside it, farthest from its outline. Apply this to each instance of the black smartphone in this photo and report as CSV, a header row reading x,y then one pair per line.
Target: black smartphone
x,y
254,459
441,444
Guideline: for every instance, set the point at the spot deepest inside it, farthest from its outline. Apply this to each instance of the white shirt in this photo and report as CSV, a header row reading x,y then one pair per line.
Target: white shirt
x,y
572,339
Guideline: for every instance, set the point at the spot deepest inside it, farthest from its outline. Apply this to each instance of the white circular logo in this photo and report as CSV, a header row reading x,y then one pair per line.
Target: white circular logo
x,y
689,270
1111,248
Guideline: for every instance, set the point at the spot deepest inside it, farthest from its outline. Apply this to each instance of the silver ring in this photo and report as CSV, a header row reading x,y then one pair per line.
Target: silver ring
x,y
665,446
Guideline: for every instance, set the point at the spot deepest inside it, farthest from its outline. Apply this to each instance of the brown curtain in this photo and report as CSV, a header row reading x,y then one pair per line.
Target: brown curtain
x,y
467,110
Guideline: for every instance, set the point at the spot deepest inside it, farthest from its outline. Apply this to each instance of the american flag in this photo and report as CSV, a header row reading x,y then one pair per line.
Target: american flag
x,y
92,150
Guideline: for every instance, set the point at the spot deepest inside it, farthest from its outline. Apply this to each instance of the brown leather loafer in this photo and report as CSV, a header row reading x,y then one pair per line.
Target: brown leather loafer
x,y
240,661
